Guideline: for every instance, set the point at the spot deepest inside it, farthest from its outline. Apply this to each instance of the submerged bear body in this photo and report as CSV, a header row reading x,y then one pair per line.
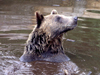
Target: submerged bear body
x,y
45,41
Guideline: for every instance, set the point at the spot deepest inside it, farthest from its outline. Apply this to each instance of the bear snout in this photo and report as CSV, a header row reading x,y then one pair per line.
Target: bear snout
x,y
75,19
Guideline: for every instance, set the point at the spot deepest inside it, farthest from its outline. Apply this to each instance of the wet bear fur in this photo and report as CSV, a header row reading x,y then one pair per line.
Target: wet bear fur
x,y
45,41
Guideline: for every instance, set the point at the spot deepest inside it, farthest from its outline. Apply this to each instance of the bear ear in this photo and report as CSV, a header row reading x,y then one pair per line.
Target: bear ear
x,y
54,12
39,19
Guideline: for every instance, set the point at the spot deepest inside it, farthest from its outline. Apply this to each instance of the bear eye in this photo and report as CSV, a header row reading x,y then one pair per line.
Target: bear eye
x,y
59,19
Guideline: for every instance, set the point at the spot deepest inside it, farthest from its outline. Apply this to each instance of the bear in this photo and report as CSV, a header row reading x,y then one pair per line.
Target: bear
x,y
45,41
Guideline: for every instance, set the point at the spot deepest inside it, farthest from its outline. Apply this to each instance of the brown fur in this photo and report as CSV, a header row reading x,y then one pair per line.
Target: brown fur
x,y
45,41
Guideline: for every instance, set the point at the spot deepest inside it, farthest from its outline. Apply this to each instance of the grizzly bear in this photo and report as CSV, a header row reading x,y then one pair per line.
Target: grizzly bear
x,y
45,41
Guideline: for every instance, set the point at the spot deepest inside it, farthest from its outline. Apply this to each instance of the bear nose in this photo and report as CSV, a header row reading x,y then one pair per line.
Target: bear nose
x,y
75,18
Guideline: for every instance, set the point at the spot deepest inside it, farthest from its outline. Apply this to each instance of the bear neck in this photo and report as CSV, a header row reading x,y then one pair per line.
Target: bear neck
x,y
41,43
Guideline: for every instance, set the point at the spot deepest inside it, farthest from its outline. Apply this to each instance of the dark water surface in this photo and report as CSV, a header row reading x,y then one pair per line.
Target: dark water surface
x,y
82,44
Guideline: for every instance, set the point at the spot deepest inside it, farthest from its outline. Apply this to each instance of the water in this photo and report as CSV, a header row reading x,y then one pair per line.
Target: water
x,y
81,44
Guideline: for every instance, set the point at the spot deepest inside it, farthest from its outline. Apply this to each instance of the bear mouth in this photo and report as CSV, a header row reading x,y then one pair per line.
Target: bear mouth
x,y
69,28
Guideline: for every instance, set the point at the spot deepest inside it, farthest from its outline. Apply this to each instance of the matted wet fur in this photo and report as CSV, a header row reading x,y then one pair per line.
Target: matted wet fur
x,y
45,41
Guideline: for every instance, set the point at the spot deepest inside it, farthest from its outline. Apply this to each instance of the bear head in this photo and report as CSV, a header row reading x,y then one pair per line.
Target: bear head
x,y
55,24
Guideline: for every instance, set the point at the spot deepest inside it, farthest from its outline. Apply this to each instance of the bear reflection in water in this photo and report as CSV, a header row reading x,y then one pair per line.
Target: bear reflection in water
x,y
44,50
